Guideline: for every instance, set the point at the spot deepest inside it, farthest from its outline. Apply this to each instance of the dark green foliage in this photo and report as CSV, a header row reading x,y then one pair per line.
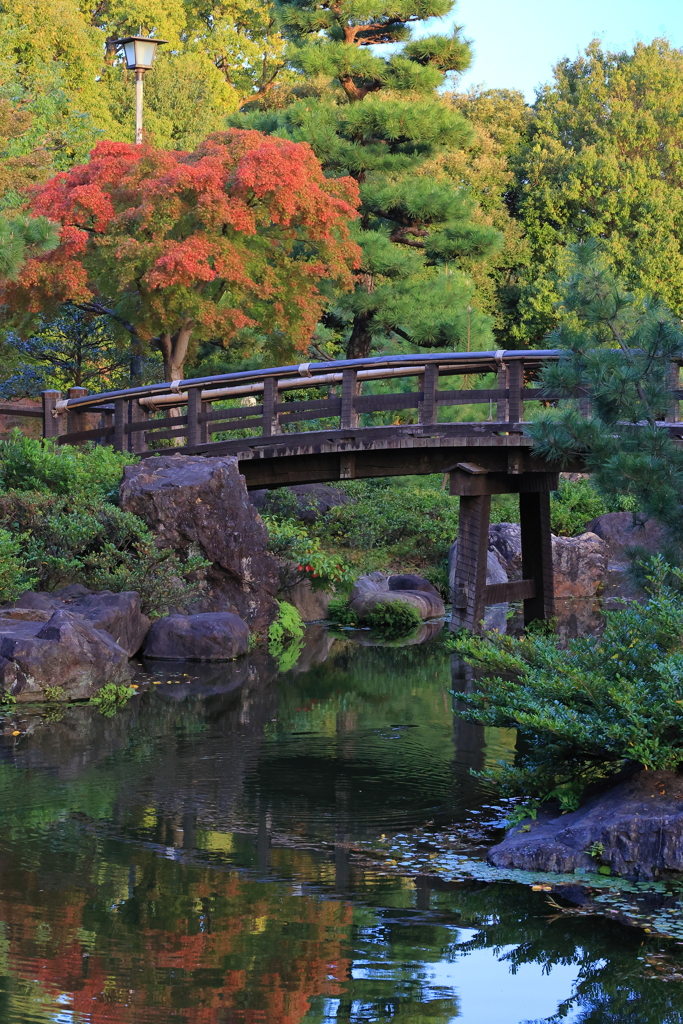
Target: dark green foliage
x,y
377,117
30,464
618,354
15,577
340,612
72,349
417,522
22,237
63,539
584,711
394,620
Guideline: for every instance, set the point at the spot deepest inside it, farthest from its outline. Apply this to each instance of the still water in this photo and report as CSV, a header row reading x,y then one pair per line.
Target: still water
x,y
204,856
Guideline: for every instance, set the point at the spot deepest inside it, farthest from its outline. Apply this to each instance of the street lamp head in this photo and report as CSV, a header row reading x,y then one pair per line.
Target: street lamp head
x,y
139,51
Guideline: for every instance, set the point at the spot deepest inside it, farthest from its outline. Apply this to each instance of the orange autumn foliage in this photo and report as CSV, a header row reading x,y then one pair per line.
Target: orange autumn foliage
x,y
231,238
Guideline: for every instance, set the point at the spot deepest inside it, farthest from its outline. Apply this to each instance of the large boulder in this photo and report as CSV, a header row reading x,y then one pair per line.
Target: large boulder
x,y
211,636
117,614
579,563
199,505
622,530
374,589
635,829
312,500
312,605
40,649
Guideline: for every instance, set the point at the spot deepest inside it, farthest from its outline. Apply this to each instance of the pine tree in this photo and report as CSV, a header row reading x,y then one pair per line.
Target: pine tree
x,y
378,118
619,351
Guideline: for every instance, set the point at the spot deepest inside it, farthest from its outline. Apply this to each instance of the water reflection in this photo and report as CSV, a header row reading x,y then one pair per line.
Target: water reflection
x,y
192,859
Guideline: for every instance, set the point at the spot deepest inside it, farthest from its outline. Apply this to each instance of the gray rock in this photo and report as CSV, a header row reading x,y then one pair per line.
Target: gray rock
x,y
408,581
211,636
622,530
117,614
312,605
505,541
638,823
66,651
579,565
373,589
313,500
200,505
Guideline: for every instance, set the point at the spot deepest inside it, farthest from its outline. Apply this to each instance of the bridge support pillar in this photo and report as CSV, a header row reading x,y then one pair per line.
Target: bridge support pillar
x,y
474,484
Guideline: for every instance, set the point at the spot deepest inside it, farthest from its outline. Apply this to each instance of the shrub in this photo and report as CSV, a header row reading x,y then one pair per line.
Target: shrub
x,y
111,697
394,620
303,556
14,574
32,464
419,521
572,505
583,711
284,636
339,611
76,539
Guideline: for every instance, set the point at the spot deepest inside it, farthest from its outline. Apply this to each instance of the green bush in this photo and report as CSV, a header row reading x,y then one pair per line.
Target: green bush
x,y
339,611
75,539
285,636
418,522
32,464
111,697
14,574
304,556
583,711
394,620
572,505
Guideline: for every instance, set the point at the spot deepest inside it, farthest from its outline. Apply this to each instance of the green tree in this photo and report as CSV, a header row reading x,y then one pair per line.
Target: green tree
x,y
618,356
602,160
378,118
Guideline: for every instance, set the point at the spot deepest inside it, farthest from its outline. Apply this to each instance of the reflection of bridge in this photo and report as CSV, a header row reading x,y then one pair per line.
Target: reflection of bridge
x,y
381,416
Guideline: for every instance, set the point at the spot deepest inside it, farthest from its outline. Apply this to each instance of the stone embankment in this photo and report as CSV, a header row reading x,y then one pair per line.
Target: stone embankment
x,y
634,829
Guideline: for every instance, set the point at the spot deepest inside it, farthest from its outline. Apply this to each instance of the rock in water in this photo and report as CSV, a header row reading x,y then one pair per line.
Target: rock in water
x,y
117,614
312,605
374,589
635,829
200,505
212,636
66,652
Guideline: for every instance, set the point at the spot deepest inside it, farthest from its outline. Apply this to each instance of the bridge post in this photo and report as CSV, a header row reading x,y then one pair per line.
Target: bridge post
x,y
349,416
194,401
120,420
429,382
502,403
515,385
138,438
537,554
469,586
76,420
52,425
271,424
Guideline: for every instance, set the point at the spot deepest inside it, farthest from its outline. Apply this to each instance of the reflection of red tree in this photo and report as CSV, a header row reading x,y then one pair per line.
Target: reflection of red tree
x,y
253,949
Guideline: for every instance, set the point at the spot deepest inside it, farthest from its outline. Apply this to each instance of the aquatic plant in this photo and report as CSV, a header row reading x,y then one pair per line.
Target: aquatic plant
x,y
394,620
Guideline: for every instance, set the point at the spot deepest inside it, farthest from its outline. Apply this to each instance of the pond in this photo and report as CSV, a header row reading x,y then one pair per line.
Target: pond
x,y
220,851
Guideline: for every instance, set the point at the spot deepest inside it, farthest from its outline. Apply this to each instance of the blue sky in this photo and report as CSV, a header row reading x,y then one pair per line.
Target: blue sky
x,y
516,44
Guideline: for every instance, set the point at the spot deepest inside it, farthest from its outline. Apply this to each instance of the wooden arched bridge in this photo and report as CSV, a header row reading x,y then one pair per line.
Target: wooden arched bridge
x,y
380,416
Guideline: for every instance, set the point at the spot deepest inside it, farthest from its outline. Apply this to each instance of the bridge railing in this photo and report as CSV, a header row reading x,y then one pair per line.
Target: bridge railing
x,y
326,397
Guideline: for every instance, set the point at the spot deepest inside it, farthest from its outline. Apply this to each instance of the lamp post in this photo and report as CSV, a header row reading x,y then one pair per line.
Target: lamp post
x,y
139,52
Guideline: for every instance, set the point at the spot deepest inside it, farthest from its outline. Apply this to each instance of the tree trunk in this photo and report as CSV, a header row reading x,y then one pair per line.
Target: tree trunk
x,y
173,348
360,342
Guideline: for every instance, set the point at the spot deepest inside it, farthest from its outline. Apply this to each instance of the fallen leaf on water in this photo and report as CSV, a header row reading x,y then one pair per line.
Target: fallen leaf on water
x,y
16,732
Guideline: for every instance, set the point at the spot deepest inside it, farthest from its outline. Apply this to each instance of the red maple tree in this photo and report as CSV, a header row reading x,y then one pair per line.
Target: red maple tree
x,y
230,240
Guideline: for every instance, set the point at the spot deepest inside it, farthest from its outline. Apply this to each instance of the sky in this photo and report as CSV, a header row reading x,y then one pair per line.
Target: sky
x,y
516,44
